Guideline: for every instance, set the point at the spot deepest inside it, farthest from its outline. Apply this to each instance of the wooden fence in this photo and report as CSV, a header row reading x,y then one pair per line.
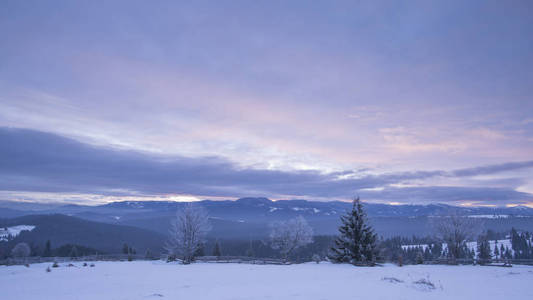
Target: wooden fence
x,y
236,259
126,257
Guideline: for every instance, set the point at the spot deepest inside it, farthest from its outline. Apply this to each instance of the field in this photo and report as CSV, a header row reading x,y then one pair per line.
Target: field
x,y
159,280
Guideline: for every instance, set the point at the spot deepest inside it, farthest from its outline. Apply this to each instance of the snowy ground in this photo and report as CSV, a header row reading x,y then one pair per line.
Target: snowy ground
x,y
158,280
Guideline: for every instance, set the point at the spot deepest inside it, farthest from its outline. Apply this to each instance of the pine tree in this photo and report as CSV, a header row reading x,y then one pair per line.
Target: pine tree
x,y
47,249
216,251
125,249
200,251
496,251
149,254
357,240
419,258
250,251
73,252
483,248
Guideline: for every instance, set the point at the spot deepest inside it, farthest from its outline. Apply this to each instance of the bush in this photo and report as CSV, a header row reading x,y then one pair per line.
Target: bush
x,y
92,265
55,265
419,258
316,258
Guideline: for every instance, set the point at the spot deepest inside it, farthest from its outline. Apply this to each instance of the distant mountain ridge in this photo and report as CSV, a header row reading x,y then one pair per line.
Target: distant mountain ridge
x,y
250,217
261,205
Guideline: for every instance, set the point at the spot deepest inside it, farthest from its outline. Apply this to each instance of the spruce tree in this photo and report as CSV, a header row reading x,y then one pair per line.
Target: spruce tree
x,y
357,240
216,251
73,252
47,249
483,248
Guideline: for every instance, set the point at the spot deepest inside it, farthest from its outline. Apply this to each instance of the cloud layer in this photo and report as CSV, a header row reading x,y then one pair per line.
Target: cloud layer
x,y
43,162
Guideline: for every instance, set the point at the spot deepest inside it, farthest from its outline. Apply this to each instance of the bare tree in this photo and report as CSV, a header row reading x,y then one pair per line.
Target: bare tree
x,y
286,236
187,232
455,231
21,250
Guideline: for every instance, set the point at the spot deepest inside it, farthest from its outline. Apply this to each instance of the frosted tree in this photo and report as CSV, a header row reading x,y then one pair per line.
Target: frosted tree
x,y
357,240
287,236
187,232
455,231
21,250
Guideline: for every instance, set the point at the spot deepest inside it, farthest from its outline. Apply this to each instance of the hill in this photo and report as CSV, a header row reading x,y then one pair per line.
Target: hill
x,y
61,230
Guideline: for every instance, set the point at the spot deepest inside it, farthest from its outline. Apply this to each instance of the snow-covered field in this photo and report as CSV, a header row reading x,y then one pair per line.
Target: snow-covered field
x,y
159,280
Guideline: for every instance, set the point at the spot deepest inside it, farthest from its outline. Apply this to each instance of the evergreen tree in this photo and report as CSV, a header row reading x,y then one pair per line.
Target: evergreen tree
x,y
436,250
419,258
250,251
216,251
483,249
357,240
125,249
73,252
149,254
496,251
200,250
47,249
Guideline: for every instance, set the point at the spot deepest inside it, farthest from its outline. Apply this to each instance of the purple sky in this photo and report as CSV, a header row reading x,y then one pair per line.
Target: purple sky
x,y
415,102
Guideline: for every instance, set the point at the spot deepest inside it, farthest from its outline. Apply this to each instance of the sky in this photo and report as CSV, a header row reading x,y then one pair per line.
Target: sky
x,y
401,102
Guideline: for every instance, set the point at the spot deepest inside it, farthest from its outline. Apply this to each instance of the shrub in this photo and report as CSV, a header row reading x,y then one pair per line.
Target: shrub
x,y
419,258
55,265
316,258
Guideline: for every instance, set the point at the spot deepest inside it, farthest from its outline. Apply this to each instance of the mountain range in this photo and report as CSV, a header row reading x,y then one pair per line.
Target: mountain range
x,y
109,225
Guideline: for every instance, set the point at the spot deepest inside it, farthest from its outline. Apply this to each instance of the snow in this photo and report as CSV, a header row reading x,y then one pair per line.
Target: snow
x,y
471,245
423,246
13,231
489,216
310,281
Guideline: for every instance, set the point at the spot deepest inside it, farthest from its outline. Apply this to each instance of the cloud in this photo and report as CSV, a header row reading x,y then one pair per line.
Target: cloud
x,y
449,194
492,169
43,162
